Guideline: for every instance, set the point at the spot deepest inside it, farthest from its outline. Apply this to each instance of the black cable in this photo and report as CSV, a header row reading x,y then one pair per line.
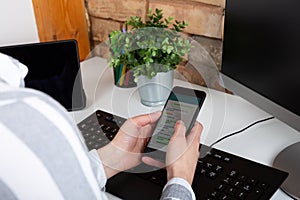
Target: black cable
x,y
237,132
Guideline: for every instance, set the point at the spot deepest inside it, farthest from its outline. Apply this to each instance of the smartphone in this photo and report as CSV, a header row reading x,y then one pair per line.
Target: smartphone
x,y
182,104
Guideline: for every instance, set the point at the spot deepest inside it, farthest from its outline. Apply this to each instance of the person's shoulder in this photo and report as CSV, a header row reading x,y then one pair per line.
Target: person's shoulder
x,y
33,97
20,92
25,93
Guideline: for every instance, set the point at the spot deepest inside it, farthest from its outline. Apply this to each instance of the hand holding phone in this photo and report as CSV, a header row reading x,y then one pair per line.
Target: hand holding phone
x,y
183,152
183,104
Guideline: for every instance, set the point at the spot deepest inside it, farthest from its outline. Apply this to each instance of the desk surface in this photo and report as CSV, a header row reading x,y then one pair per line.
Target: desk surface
x,y
220,115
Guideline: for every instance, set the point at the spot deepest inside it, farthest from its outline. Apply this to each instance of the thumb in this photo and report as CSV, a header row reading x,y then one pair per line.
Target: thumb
x,y
195,133
143,120
152,162
179,130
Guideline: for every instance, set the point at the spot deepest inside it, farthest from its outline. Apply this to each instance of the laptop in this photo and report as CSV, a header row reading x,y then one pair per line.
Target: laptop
x,y
53,68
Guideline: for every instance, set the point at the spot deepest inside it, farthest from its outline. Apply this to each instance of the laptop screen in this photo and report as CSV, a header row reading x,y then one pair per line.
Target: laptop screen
x,y
53,68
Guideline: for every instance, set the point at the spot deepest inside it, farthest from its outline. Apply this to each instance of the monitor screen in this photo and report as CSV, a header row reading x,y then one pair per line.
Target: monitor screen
x,y
53,68
261,52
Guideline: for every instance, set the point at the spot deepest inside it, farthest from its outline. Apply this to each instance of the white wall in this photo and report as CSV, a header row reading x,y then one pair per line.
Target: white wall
x,y
17,22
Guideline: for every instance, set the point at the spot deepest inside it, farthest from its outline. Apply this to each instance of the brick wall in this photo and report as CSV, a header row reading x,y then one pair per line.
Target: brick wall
x,y
205,19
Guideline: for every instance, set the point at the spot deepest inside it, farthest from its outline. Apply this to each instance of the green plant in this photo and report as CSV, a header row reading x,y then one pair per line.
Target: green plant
x,y
150,47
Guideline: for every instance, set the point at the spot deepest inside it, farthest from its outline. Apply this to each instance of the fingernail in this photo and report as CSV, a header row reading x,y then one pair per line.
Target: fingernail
x,y
180,122
197,123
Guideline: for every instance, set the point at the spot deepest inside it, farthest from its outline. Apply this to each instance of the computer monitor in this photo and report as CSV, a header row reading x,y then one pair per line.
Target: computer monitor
x,y
261,63
53,68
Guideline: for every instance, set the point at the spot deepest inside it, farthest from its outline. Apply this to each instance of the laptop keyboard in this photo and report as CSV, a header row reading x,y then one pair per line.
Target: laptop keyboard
x,y
219,175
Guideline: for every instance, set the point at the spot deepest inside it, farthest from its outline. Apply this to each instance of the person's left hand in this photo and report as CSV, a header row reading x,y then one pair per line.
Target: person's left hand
x,y
124,151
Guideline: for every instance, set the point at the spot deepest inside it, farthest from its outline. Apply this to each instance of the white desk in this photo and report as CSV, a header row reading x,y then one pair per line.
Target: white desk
x,y
220,115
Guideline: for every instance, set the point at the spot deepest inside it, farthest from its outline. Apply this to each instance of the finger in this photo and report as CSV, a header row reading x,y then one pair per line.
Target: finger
x,y
152,162
195,133
143,120
146,131
132,126
179,130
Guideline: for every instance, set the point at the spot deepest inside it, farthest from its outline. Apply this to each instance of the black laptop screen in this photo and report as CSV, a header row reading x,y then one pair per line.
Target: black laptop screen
x,y
54,68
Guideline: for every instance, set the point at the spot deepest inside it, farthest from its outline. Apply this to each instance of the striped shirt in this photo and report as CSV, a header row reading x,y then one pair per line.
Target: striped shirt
x,y
43,155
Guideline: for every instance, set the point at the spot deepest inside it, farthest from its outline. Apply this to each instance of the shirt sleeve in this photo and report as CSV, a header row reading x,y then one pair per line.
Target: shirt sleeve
x,y
178,188
48,146
98,169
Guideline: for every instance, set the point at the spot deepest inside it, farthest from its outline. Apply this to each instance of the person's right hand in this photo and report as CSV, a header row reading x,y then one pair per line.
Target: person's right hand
x,y
182,153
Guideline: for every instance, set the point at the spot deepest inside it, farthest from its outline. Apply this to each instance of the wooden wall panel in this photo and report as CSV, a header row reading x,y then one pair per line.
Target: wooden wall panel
x,y
203,19
63,19
118,10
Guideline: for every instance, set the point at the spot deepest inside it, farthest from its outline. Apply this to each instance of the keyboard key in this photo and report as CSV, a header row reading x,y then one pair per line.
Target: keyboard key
x,y
106,128
97,146
255,194
233,173
159,177
247,187
200,162
263,185
218,156
84,126
224,197
227,159
99,139
90,143
208,153
208,198
110,136
118,123
252,181
90,121
92,129
215,194
212,175
208,165
99,132
218,168
95,124
109,118
232,191
101,125
114,130
222,187
93,137
236,183
203,171
98,115
241,195
242,178
228,180
87,134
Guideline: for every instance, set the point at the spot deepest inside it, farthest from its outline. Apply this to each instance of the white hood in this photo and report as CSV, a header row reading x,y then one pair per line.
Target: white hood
x,y
12,72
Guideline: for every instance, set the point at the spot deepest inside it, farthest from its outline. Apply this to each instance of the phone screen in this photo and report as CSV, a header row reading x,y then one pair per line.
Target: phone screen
x,y
179,106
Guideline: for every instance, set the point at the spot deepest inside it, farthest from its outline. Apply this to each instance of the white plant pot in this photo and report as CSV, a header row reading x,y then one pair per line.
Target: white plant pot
x,y
155,91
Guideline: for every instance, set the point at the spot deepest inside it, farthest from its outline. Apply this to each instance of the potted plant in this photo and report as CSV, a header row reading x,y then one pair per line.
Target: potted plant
x,y
151,50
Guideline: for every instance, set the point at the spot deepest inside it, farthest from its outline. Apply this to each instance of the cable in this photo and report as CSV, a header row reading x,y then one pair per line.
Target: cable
x,y
237,132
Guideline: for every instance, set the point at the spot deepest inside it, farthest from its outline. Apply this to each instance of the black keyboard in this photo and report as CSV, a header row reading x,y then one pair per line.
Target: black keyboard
x,y
219,175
